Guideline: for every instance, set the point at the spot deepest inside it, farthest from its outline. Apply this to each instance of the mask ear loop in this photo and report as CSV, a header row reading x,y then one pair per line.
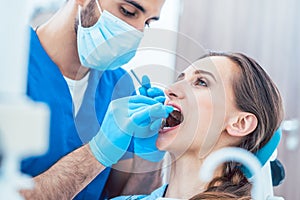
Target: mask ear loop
x,y
79,15
100,10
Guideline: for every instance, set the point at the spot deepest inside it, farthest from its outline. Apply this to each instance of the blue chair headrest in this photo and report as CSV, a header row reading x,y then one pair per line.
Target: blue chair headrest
x,y
266,151
264,154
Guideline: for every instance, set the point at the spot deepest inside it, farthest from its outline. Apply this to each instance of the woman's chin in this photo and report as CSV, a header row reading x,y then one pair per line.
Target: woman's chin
x,y
165,140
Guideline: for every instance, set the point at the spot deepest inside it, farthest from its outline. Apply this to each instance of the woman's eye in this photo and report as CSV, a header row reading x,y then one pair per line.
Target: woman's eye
x,y
201,82
127,13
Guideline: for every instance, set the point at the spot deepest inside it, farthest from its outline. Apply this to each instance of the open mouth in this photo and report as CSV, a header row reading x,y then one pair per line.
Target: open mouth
x,y
175,118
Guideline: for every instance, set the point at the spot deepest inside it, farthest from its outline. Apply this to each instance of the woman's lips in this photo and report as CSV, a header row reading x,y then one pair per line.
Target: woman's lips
x,y
176,106
173,121
167,129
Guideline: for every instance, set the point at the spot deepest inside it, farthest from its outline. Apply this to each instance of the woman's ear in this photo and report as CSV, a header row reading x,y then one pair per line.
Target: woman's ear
x,y
242,124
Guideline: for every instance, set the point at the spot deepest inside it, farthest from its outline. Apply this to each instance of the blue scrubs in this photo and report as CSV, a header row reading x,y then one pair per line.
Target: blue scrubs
x,y
67,133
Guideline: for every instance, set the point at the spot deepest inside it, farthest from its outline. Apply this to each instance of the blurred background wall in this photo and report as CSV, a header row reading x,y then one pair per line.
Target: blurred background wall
x,y
268,31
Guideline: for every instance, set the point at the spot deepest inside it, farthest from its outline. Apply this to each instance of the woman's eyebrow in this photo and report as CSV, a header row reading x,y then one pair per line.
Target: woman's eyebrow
x,y
180,76
199,71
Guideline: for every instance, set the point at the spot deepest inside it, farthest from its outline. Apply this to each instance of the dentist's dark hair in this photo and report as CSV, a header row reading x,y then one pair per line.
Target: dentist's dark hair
x,y
255,93
88,17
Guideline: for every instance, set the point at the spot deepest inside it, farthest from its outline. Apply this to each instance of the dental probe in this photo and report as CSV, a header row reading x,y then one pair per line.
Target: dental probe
x,y
136,77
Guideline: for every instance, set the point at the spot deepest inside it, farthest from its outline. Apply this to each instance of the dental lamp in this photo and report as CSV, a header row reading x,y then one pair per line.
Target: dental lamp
x,y
24,124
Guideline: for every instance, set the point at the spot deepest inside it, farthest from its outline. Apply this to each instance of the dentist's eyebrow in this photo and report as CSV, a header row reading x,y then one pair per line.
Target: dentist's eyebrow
x,y
137,5
140,7
205,72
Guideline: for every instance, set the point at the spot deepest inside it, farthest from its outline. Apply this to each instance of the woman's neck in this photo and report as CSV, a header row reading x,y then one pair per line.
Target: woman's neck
x,y
184,181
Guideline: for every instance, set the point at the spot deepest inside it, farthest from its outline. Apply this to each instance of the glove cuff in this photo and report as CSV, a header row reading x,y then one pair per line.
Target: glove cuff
x,y
106,152
99,155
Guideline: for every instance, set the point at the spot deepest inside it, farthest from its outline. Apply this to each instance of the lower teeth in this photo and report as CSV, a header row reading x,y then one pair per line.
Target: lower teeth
x,y
163,123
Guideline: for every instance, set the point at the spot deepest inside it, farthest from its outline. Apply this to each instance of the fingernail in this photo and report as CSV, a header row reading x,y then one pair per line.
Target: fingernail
x,y
160,99
169,109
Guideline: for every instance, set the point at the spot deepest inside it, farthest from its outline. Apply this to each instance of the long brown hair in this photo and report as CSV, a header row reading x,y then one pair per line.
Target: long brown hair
x,y
256,93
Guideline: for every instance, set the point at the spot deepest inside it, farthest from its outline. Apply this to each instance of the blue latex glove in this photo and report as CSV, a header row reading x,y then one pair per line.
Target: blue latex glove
x,y
125,117
152,92
146,147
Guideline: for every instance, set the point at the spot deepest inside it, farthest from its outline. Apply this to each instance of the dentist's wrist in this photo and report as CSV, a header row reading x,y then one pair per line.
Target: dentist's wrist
x,y
107,152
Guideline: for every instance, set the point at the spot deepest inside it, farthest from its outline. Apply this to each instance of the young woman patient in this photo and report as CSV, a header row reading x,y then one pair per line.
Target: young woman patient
x,y
221,100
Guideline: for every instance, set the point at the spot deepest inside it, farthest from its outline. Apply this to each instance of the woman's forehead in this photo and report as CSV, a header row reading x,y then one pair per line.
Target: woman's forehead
x,y
217,65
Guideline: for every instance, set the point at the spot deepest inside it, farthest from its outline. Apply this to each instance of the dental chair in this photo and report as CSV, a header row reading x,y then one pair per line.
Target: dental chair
x,y
267,157
262,160
256,167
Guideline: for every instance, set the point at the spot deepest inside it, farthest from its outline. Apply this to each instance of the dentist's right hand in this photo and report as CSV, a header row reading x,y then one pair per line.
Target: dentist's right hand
x,y
138,116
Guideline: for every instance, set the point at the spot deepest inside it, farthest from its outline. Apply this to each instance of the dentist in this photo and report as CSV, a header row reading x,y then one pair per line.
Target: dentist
x,y
74,67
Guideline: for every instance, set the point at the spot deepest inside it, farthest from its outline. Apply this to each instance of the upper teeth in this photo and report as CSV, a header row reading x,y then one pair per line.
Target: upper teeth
x,y
176,109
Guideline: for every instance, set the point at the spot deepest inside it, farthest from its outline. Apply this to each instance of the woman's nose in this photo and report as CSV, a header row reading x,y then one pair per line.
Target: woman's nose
x,y
170,93
174,91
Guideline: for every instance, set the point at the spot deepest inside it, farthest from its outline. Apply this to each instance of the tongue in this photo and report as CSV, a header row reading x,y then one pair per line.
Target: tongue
x,y
174,119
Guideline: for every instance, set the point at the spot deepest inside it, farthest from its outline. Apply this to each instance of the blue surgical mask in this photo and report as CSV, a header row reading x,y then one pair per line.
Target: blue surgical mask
x,y
108,44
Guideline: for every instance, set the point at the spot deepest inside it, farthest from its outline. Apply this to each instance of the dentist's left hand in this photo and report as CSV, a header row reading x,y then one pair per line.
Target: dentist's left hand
x,y
136,115
153,92
146,147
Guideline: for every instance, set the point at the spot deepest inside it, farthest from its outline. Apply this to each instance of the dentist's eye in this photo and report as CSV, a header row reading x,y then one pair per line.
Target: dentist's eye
x,y
200,82
127,13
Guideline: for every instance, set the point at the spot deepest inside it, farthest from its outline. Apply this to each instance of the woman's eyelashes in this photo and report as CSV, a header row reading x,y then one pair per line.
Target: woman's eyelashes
x,y
200,81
